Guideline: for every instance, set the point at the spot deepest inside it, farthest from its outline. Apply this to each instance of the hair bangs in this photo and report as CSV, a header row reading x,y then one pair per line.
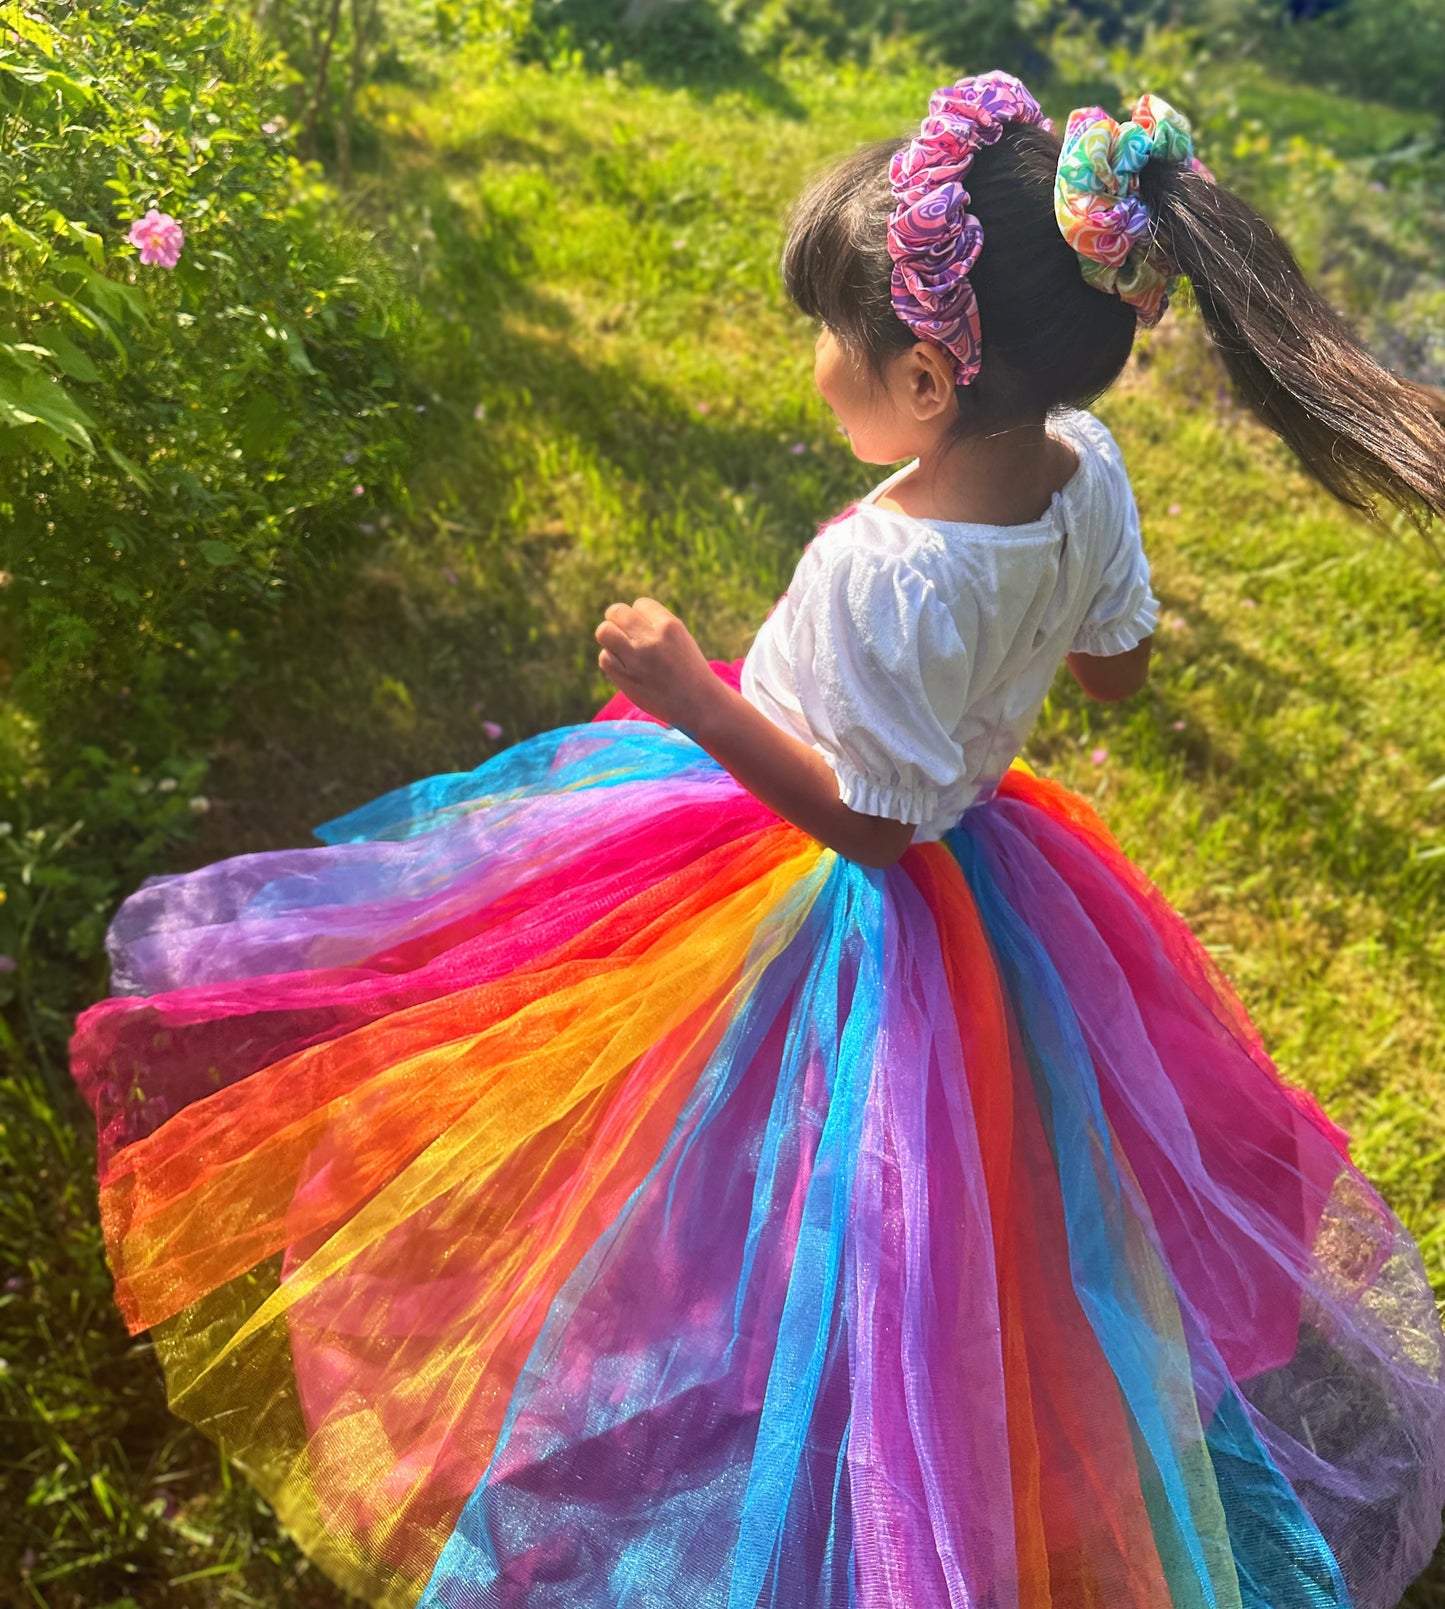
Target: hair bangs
x,y
836,267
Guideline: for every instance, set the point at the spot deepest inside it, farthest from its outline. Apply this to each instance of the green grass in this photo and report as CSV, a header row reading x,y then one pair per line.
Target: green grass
x,y
614,395
1344,124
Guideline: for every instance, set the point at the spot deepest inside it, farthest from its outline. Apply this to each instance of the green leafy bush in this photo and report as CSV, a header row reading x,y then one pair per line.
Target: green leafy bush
x,y
181,446
727,42
337,51
1383,50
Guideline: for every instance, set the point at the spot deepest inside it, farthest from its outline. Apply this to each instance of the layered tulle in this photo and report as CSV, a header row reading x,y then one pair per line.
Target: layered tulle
x,y
572,1186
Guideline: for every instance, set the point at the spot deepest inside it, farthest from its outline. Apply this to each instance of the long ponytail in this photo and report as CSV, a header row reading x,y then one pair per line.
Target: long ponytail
x,y
1360,431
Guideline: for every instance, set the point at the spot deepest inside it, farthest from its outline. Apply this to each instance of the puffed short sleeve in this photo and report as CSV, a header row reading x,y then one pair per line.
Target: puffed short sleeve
x,y
881,674
1123,609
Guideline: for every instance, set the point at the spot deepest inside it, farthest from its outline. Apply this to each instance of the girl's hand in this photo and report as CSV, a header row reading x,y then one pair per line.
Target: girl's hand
x,y
651,656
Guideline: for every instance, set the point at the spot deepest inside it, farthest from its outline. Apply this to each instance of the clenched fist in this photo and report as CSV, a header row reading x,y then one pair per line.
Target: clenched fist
x,y
651,656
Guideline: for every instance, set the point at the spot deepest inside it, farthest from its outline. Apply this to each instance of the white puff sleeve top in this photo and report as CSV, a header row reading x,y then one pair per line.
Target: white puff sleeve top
x,y
914,654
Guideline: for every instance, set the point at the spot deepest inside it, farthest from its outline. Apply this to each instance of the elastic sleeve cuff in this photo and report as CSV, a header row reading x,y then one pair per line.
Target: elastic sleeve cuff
x,y
911,806
1118,637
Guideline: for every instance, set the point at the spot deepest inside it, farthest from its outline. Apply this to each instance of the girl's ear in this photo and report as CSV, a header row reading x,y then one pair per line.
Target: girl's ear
x,y
930,392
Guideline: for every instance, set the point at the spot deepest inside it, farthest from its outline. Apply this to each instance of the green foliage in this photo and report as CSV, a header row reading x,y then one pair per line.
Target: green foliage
x,y
736,43
180,446
334,51
1381,50
107,1500
61,877
974,34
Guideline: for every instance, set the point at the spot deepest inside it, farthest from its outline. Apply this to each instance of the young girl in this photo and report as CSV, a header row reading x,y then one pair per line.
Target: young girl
x,y
761,1147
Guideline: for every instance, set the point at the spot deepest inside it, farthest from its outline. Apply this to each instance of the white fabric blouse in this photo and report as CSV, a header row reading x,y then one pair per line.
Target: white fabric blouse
x,y
914,654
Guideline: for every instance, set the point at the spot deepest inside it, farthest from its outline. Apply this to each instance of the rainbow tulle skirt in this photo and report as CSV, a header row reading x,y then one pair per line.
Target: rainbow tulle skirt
x,y
570,1187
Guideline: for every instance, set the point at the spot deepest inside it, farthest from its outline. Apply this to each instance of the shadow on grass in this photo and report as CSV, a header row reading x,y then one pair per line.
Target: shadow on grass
x,y
479,603
1351,845
675,43
1429,1591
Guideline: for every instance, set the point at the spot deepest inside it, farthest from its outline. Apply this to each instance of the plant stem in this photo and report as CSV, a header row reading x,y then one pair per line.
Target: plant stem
x,y
322,80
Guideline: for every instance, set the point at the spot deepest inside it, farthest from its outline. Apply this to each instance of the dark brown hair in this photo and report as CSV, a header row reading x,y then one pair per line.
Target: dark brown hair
x,y
1050,340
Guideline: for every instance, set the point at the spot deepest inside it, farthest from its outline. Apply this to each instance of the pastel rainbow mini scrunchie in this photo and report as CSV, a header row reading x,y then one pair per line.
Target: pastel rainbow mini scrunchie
x,y
933,239
1097,205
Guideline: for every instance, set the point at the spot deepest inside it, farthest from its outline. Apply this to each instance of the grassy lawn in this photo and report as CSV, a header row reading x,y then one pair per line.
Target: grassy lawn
x,y
619,402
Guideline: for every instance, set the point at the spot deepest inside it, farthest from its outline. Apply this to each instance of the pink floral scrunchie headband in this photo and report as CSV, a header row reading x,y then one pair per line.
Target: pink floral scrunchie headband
x,y
933,239
1097,205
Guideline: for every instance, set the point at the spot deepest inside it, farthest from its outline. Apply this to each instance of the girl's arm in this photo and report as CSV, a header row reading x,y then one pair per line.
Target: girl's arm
x,y
651,656
1112,676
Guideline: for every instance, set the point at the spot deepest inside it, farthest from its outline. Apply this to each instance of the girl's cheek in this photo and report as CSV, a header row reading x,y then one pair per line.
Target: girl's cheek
x,y
823,379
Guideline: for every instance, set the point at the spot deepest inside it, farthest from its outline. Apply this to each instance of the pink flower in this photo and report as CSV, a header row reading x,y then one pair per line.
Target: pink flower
x,y
358,491
1177,726
704,407
8,963
1248,603
273,125
152,135
1099,756
1174,510
492,730
798,449
159,238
